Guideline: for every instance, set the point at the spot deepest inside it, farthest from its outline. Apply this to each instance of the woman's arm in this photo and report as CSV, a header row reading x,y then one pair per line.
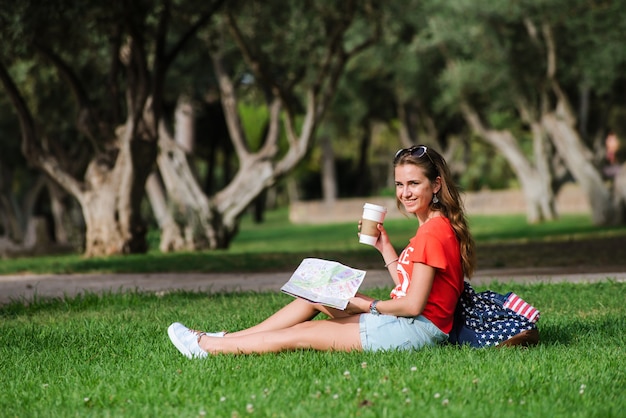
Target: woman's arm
x,y
410,305
390,256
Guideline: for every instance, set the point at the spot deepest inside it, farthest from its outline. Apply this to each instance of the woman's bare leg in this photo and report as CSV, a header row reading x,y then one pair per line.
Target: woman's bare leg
x,y
341,334
296,312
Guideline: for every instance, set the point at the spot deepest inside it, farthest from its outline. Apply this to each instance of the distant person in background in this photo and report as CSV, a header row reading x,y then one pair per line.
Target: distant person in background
x,y
612,147
615,172
428,276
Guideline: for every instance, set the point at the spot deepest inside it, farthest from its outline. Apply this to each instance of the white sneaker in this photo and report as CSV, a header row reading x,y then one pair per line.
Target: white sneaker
x,y
186,340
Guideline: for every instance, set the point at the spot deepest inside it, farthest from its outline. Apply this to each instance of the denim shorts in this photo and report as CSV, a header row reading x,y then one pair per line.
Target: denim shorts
x,y
388,332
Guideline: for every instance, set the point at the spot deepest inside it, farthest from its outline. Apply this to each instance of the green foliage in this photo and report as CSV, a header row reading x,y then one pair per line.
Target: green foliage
x,y
254,120
487,170
110,356
429,56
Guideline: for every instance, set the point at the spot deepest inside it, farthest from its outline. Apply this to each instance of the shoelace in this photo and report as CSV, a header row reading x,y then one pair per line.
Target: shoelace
x,y
198,333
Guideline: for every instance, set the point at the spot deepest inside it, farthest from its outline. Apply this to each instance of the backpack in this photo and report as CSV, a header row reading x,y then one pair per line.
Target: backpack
x,y
489,319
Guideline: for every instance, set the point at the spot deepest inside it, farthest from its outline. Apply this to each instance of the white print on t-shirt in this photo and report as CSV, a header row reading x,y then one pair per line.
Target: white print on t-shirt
x,y
404,256
403,275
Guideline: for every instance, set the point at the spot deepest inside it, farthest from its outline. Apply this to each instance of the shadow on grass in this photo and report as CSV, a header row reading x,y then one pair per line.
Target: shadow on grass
x,y
601,331
111,299
90,301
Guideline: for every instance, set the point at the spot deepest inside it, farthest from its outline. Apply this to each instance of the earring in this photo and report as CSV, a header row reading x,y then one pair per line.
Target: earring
x,y
435,199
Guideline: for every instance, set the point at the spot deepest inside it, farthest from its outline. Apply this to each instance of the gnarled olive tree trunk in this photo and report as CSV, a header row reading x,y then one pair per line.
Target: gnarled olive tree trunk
x,y
191,221
122,60
212,221
536,185
22,232
111,196
578,160
559,121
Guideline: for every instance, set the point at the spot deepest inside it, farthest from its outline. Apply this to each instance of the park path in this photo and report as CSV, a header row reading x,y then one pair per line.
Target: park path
x,y
26,287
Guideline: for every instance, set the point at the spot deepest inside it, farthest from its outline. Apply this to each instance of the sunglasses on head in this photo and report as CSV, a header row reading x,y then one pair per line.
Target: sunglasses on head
x,y
415,151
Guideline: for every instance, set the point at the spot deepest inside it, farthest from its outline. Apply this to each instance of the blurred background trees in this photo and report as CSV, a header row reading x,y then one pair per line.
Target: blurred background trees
x,y
120,117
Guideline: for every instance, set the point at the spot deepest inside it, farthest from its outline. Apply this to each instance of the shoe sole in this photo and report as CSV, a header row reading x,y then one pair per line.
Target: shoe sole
x,y
180,346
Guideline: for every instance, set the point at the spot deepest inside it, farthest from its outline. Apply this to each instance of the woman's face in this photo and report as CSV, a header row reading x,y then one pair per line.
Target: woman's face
x,y
414,189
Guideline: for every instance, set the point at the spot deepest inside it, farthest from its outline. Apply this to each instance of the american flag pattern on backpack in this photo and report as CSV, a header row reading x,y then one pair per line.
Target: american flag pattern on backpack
x,y
486,319
519,305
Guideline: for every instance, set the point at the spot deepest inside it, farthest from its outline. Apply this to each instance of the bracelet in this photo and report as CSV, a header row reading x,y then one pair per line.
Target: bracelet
x,y
391,262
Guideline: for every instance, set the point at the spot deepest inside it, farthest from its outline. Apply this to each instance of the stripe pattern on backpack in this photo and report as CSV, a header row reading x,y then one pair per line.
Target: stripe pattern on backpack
x,y
519,305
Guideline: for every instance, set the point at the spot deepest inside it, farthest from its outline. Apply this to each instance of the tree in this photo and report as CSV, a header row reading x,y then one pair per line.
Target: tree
x,y
294,55
480,80
527,62
118,120
583,52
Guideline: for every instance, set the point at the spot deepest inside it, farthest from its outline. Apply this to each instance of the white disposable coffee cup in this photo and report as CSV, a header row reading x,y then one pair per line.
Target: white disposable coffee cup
x,y
372,216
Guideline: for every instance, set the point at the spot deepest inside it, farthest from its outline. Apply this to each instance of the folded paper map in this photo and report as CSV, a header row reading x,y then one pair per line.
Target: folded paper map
x,y
322,281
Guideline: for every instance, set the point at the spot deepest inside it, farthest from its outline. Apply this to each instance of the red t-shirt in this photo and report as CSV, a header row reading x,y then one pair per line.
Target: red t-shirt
x,y
435,245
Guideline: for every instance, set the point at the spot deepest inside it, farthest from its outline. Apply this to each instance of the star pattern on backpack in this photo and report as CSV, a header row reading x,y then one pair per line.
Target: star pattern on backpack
x,y
485,319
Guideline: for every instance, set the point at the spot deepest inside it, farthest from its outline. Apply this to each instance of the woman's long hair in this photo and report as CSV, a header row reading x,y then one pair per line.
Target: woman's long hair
x,y
449,198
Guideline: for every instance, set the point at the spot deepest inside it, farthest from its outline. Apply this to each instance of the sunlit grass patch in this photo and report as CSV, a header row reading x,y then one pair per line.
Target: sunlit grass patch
x,y
110,356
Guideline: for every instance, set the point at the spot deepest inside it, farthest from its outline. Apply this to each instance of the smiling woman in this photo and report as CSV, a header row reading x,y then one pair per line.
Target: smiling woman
x,y
416,193
445,196
428,276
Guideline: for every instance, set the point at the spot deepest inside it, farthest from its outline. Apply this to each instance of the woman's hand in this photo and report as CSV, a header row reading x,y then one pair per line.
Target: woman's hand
x,y
383,238
358,304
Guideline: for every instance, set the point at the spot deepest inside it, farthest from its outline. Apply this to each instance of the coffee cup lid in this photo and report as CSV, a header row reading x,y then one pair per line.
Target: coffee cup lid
x,y
372,206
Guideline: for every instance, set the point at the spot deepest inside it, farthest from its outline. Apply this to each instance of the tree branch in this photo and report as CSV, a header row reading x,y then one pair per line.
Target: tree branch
x,y
271,139
137,69
27,124
114,70
31,151
546,30
337,57
229,104
160,65
260,66
202,20
87,121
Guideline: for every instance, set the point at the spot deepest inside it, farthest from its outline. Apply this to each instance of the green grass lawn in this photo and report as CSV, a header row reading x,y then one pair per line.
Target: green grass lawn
x,y
110,356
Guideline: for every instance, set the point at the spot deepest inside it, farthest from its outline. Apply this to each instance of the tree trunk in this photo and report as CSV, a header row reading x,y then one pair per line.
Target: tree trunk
x,y
561,127
111,193
111,200
178,202
293,192
21,232
184,119
560,123
69,226
536,189
408,134
329,176
189,206
171,235
212,222
541,155
194,214
619,196
11,223
546,209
